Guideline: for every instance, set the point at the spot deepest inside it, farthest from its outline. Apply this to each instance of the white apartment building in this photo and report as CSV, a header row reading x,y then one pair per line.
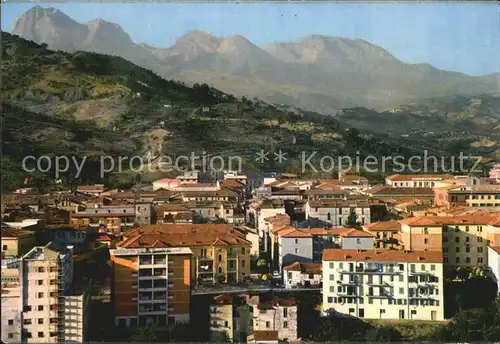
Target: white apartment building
x,y
336,213
40,307
383,284
275,315
416,180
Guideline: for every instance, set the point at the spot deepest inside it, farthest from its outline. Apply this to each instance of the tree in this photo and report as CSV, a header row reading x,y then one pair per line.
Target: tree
x,y
221,337
352,220
145,334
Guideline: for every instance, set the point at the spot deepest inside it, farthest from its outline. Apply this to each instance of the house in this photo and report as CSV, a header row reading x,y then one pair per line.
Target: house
x,y
294,245
198,187
93,190
258,211
356,239
302,275
386,233
16,241
220,252
384,284
326,193
166,184
416,180
335,213
274,314
233,175
230,314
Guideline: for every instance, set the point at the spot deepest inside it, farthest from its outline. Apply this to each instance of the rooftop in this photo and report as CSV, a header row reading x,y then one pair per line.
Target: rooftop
x,y
418,177
306,268
383,226
382,256
182,235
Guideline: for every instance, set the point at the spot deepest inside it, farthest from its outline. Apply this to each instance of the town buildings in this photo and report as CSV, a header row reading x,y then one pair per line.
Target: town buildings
x,y
297,275
275,314
383,284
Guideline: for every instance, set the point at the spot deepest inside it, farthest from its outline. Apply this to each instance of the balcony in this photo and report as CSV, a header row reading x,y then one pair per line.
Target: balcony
x,y
348,283
205,258
380,296
347,294
377,284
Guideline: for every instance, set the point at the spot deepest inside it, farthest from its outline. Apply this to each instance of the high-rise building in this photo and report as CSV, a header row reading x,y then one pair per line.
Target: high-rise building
x,y
39,304
151,285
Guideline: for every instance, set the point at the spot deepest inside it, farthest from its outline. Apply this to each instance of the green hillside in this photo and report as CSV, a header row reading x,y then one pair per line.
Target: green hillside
x,y
89,104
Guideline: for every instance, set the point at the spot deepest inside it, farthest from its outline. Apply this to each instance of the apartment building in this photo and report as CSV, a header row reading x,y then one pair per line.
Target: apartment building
x,y
39,304
150,285
258,212
416,180
474,196
463,240
335,213
220,252
346,182
383,284
106,219
276,314
230,314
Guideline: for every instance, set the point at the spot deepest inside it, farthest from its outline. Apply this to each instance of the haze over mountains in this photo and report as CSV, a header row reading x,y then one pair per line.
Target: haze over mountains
x,y
317,73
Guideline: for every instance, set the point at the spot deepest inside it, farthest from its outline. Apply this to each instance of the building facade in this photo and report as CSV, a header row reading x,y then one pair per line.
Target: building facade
x,y
151,286
386,284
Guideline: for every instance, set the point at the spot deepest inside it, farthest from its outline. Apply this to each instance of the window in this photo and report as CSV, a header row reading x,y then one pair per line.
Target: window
x,y
268,324
467,239
285,324
296,250
426,241
457,260
40,307
480,260
11,335
467,260
467,248
332,265
226,324
296,241
457,239
479,250
27,308
457,249
243,263
445,259
285,312
330,299
331,277
40,335
41,269
426,230
39,282
242,250
466,228
479,239
27,322
40,295
40,321
433,267
401,290
11,322
445,238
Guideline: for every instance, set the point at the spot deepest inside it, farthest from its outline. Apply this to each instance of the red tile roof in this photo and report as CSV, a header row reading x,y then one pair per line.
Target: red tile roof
x,y
418,177
382,256
383,226
306,268
356,233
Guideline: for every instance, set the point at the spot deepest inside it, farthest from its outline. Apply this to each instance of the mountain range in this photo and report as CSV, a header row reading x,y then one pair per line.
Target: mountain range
x,y
318,73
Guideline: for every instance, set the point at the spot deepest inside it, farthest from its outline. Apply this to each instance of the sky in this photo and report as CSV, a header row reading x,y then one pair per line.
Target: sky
x,y
462,37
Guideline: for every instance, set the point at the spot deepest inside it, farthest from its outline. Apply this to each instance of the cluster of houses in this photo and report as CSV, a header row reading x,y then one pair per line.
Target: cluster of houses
x,y
372,251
